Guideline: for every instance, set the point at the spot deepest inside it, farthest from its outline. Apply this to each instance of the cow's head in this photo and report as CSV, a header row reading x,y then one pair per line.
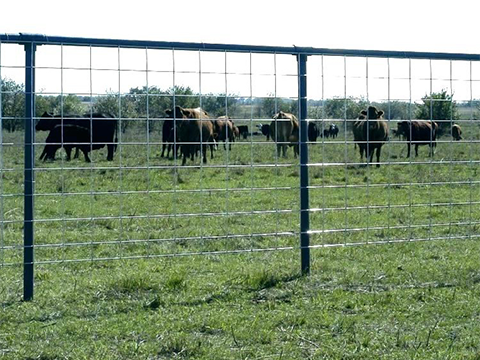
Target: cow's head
x,y
372,113
281,115
403,128
265,129
45,123
177,113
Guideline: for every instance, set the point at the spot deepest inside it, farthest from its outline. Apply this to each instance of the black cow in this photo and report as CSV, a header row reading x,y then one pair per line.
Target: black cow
x,y
168,133
101,127
333,130
243,130
313,131
67,136
266,130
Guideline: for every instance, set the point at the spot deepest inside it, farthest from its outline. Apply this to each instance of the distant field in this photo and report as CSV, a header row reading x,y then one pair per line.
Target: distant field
x,y
407,300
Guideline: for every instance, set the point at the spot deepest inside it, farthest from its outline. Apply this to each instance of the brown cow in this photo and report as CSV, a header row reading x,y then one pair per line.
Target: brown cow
x,y
194,131
223,130
370,131
418,132
457,132
284,131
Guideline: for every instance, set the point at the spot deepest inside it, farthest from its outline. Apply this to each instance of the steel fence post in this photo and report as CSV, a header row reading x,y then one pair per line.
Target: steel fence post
x,y
304,191
29,176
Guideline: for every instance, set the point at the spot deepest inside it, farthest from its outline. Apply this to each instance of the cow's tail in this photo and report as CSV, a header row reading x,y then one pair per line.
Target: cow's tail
x,y
115,139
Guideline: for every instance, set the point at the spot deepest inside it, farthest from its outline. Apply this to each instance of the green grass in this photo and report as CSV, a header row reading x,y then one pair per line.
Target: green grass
x,y
415,300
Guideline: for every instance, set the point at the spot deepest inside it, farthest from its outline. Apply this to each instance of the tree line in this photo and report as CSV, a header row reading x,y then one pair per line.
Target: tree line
x,y
151,102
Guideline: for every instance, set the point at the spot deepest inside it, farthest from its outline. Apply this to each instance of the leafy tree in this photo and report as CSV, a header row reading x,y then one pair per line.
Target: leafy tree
x,y
270,106
396,110
61,104
439,107
219,105
347,109
71,104
116,106
13,104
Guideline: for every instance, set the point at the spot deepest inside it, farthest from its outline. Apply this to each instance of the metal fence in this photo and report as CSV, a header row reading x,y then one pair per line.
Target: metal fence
x,y
248,197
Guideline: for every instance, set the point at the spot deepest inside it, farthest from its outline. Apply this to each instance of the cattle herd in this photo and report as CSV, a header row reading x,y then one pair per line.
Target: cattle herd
x,y
190,132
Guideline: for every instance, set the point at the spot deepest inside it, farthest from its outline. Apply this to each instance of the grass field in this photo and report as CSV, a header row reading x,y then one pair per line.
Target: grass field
x,y
240,298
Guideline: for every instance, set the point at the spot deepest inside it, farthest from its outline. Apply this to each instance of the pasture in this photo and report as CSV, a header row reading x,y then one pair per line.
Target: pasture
x,y
116,277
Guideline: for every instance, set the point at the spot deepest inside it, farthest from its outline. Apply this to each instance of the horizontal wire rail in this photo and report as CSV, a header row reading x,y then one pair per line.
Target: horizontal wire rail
x,y
254,250
258,235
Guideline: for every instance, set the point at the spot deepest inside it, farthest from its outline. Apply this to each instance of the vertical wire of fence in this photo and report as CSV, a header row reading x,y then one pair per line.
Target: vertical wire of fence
x,y
345,169
470,153
410,165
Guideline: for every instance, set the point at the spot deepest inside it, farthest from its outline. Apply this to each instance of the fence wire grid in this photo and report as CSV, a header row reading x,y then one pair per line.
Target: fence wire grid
x,y
246,197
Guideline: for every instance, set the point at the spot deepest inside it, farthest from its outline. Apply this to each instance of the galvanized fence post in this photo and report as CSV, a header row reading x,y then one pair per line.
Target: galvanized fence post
x,y
304,195
29,176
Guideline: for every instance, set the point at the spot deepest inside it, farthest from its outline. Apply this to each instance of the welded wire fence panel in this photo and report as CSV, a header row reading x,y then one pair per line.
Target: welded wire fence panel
x,y
147,150
145,203
12,116
409,197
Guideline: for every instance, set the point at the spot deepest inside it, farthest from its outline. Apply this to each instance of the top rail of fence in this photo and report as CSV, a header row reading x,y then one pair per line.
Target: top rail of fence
x,y
40,39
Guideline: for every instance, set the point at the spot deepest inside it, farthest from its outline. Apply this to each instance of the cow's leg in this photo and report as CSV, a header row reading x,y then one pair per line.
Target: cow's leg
x,y
85,151
44,153
184,153
378,155
110,150
77,153
212,147
176,148
416,150
163,150
370,151
50,152
204,149
68,151
408,149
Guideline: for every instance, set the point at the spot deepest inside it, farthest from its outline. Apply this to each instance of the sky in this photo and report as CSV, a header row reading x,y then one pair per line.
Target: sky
x,y
421,25
407,25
